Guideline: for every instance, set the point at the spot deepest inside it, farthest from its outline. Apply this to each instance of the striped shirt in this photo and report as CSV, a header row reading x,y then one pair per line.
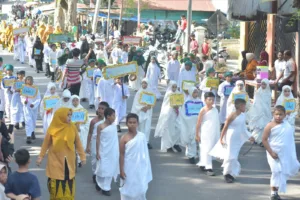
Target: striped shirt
x,y
73,67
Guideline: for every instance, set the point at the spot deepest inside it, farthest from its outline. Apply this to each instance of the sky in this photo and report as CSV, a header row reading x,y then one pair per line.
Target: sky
x,y
221,4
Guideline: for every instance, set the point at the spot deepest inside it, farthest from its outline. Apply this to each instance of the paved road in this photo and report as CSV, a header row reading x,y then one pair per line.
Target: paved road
x,y
173,177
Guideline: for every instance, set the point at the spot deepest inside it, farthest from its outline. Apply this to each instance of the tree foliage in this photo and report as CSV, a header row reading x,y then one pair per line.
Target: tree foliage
x,y
130,7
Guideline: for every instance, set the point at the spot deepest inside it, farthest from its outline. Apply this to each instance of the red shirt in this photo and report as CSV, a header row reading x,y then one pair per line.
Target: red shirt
x,y
183,24
205,48
194,46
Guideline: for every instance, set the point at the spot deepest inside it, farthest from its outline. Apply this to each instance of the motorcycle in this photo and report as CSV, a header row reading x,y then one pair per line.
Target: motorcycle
x,y
222,53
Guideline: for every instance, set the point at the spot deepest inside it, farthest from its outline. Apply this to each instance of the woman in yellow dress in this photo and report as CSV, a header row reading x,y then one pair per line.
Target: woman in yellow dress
x,y
62,142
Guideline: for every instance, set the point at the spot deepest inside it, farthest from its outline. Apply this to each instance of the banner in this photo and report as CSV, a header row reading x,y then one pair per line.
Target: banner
x,y
193,107
29,91
176,100
147,98
262,72
131,40
212,82
58,38
120,70
21,30
80,115
50,102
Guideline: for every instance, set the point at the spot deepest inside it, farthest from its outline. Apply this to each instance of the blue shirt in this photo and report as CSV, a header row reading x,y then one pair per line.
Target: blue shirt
x,y
23,183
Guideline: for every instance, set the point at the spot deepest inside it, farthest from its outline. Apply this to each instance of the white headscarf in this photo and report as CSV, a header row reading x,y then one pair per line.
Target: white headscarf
x,y
236,88
76,97
49,87
169,89
66,94
250,56
266,91
191,91
281,98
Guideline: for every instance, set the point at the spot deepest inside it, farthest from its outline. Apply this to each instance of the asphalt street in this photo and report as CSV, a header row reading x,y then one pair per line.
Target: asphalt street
x,y
173,177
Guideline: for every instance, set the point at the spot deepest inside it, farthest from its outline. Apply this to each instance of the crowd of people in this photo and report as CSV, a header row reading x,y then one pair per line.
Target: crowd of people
x,y
76,70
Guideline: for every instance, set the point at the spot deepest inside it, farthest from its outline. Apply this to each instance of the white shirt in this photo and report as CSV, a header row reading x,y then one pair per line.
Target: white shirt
x,y
117,34
173,68
289,68
279,67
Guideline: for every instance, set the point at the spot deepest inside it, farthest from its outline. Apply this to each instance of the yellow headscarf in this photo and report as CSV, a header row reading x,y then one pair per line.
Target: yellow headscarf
x,y
61,131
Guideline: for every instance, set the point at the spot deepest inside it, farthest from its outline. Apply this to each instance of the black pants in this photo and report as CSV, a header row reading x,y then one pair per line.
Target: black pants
x,y
290,83
52,75
47,69
75,88
39,64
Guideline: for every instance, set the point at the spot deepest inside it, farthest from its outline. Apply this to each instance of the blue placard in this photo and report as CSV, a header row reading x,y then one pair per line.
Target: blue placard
x,y
50,103
121,70
90,72
147,98
28,91
228,89
18,85
290,105
53,61
78,116
193,107
239,96
37,52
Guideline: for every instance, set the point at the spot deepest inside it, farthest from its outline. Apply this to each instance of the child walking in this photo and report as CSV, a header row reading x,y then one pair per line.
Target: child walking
x,y
30,106
17,113
279,141
135,166
233,136
207,132
91,139
260,114
166,127
224,91
107,153
210,73
143,111
186,122
48,114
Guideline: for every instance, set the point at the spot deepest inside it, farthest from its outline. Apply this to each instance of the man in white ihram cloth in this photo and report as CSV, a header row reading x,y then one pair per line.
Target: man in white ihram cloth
x,y
153,75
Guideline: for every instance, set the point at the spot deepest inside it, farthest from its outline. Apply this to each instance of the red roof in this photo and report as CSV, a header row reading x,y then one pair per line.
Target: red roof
x,y
197,5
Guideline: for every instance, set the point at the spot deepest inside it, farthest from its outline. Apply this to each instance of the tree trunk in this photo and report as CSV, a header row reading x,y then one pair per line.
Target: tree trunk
x,y
59,16
97,7
138,16
121,15
108,19
71,15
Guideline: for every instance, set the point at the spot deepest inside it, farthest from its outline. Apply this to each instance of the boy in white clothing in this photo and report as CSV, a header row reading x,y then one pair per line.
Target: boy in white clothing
x,y
279,141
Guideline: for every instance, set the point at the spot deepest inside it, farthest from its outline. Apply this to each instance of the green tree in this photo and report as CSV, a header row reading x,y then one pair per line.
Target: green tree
x,y
130,7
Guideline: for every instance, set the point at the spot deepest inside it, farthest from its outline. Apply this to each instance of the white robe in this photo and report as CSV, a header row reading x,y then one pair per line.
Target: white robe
x,y
260,113
235,138
137,168
209,135
116,55
282,142
291,117
21,46
205,89
135,85
29,52
8,93
105,90
145,118
108,164
101,54
186,76
153,75
30,114
93,146
87,90
166,128
120,104
187,126
173,68
223,101
230,103
52,60
16,108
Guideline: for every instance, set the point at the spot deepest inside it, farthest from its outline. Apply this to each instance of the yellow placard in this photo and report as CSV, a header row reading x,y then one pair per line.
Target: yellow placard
x,y
120,70
290,105
147,98
8,82
187,84
176,100
1,75
212,82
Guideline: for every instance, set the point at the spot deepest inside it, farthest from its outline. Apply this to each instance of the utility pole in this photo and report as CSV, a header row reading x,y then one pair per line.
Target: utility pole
x,y
189,22
138,16
218,39
97,7
108,19
121,15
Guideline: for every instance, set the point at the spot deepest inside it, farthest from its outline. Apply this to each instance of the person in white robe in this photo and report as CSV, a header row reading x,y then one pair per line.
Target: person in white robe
x,y
16,109
166,129
101,52
210,73
153,75
53,60
207,132
124,54
173,68
187,122
47,115
30,107
29,46
260,113
287,94
233,137
238,89
121,95
8,93
87,90
143,111
135,85
65,101
16,49
107,153
224,91
84,127
186,75
135,165
116,54
279,141
97,75
105,90
21,46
